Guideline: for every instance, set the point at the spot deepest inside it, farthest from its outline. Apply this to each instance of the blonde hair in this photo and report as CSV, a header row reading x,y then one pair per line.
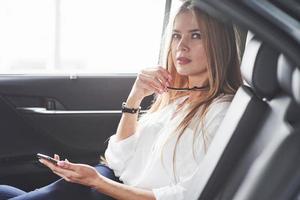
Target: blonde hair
x,y
222,51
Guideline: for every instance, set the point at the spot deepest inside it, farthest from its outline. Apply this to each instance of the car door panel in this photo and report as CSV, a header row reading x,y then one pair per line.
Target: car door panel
x,y
73,116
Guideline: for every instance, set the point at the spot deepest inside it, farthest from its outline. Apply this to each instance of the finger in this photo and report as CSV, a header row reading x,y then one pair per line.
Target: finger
x,y
143,78
165,73
146,84
52,166
148,87
66,174
70,174
56,157
47,163
158,74
164,82
65,164
150,80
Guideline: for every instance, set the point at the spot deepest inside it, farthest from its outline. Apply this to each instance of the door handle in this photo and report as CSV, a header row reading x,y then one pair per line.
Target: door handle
x,y
50,104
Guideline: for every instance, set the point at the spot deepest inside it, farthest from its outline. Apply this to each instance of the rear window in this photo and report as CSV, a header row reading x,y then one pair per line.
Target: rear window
x,y
79,36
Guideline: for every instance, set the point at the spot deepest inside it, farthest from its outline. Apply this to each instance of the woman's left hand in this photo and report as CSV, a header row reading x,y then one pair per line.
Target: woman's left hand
x,y
75,173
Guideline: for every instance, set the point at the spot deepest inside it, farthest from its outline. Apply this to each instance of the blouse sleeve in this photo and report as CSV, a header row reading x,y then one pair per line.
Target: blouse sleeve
x,y
187,187
118,153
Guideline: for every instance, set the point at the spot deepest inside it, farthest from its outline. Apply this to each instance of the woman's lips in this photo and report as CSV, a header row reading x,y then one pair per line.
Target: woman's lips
x,y
183,60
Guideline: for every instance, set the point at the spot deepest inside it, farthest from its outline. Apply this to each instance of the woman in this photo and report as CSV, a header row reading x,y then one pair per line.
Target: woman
x,y
157,156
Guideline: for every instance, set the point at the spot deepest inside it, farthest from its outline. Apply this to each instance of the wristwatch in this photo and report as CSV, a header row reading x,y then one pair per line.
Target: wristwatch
x,y
129,110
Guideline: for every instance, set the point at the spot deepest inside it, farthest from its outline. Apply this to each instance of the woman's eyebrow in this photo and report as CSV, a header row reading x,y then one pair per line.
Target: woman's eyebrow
x,y
194,30
191,31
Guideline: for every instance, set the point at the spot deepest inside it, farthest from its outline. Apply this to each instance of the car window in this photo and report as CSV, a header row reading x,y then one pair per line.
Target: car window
x,y
80,36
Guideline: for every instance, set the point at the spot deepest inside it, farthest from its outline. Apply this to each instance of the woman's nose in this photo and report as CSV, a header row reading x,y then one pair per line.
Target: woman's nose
x,y
183,44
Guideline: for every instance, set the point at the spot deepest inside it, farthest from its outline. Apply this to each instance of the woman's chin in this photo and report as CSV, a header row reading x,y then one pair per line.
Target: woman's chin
x,y
184,72
189,71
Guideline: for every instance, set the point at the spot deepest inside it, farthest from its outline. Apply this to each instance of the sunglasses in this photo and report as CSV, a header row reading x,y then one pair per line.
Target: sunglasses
x,y
202,88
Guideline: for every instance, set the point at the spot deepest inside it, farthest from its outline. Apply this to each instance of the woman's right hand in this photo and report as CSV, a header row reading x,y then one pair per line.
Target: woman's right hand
x,y
149,81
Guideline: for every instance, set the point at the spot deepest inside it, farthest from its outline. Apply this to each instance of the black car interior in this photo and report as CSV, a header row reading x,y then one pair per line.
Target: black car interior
x,y
254,156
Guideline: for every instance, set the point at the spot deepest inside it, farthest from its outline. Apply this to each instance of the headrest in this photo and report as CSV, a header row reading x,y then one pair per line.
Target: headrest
x,y
284,74
296,85
259,68
289,78
251,49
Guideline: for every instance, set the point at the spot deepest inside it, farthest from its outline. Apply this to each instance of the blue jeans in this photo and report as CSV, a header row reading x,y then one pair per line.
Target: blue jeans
x,y
60,190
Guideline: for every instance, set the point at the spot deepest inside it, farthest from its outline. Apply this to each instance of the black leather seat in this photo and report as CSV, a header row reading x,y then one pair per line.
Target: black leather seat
x,y
273,130
227,159
276,173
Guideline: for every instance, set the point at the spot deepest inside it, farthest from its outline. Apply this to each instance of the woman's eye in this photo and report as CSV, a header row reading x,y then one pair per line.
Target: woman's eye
x,y
176,36
196,36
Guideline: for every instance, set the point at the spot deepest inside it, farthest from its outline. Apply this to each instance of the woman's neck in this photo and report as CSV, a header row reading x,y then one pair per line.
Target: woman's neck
x,y
197,81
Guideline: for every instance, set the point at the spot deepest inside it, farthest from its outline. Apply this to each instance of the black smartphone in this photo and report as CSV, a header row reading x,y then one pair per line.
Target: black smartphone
x,y
42,156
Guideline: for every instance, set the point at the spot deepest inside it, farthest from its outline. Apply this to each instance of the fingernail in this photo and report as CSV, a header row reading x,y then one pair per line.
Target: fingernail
x,y
61,163
41,161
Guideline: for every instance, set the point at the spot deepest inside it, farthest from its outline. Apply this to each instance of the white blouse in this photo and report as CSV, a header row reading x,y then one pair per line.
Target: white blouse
x,y
145,159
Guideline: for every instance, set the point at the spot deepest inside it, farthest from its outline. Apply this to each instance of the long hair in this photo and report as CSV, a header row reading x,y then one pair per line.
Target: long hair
x,y
224,77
